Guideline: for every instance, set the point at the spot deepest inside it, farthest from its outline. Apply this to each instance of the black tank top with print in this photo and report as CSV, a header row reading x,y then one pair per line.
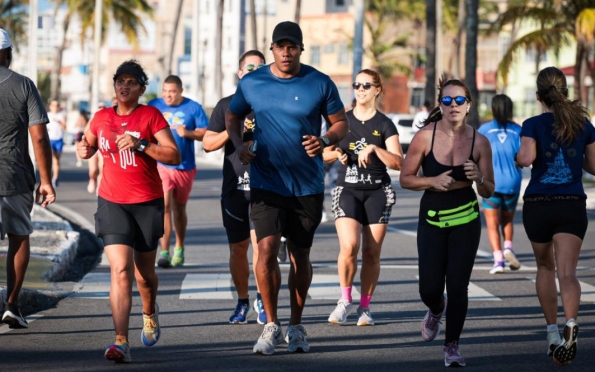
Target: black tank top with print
x,y
432,168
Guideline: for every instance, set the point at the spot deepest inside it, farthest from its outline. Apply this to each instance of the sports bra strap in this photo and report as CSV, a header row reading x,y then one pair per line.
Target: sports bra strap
x,y
433,135
472,146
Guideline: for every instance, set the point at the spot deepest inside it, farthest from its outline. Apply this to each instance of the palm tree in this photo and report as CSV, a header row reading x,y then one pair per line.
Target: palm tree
x,y
173,36
127,14
471,29
13,19
298,10
430,91
253,24
559,24
219,49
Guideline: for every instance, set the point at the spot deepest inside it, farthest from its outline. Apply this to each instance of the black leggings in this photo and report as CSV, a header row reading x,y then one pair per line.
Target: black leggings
x,y
446,256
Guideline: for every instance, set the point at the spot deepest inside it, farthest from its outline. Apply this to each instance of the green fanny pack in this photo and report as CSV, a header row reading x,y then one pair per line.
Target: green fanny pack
x,y
454,217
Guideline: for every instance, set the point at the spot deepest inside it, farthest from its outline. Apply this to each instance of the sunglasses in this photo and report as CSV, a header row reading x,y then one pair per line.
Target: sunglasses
x,y
366,86
459,100
252,67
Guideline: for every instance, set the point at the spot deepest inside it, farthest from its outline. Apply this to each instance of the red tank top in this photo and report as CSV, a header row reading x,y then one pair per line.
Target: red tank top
x,y
129,177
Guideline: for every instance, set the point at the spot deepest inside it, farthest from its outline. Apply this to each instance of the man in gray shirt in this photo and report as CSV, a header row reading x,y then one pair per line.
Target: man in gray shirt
x,y
21,114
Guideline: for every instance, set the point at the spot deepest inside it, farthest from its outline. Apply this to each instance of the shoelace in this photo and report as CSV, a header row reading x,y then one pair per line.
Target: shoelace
x,y
149,324
453,349
299,333
240,309
121,340
434,320
268,332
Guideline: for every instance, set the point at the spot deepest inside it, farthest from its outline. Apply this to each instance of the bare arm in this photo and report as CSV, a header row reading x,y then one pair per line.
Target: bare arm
x,y
196,134
527,153
214,141
235,126
338,129
43,155
482,172
166,151
392,157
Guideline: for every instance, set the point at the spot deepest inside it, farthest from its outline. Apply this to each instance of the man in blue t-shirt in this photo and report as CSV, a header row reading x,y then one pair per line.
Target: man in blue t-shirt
x,y
286,173
188,123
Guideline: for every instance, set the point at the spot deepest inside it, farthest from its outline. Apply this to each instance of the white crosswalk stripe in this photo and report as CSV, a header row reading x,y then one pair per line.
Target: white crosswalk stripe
x,y
476,293
207,286
93,285
587,290
326,287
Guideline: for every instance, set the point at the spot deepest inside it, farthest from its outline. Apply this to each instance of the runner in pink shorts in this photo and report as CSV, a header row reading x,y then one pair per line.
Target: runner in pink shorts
x,y
188,123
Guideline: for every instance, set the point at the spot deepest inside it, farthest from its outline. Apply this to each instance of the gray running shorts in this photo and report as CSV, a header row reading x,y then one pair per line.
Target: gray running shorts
x,y
15,214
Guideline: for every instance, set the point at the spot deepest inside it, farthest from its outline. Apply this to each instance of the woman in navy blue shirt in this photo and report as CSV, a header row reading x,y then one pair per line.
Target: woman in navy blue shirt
x,y
558,144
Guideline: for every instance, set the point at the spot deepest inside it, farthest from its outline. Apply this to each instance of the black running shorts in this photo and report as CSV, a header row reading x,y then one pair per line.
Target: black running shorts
x,y
235,210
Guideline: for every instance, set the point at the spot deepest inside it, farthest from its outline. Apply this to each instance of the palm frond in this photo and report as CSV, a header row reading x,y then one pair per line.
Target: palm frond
x,y
585,24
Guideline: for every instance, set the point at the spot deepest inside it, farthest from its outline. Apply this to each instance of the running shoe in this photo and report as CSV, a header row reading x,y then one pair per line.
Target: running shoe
x,y
240,314
365,317
565,352
553,340
498,268
297,339
151,331
178,260
119,352
282,255
13,317
259,309
339,315
271,336
452,356
164,259
514,264
430,326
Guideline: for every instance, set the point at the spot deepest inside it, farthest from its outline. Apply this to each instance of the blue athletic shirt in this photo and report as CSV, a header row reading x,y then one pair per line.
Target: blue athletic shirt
x,y
557,169
190,114
506,142
286,110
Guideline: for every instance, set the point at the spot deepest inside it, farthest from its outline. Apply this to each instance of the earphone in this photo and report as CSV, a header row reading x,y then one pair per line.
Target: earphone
x,y
468,109
441,112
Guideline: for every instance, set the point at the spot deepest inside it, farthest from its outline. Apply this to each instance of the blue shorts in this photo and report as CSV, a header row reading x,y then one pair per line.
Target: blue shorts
x,y
504,202
57,145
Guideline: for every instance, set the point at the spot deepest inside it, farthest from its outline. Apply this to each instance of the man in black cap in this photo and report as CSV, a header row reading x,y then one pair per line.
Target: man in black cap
x,y
286,174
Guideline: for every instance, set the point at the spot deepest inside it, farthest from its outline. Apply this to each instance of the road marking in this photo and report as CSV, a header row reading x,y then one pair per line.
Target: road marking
x,y
326,287
93,285
587,290
30,319
207,286
476,293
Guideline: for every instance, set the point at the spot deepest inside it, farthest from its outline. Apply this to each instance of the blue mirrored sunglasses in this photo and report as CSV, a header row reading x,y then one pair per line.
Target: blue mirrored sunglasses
x,y
459,100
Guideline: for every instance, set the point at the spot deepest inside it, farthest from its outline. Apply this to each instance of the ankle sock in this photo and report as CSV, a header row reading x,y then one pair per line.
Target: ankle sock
x,y
552,328
508,244
498,257
346,293
365,301
258,296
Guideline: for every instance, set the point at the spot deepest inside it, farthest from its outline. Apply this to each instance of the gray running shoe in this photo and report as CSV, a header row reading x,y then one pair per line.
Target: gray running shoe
x,y
365,317
339,315
271,336
297,339
430,326
452,356
514,264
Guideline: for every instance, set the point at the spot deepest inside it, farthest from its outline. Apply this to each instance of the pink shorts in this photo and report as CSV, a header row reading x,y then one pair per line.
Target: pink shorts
x,y
177,180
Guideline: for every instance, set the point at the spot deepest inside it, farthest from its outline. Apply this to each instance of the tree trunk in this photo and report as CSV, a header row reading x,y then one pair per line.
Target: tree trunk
x,y
56,83
578,84
174,33
456,71
471,27
254,26
298,8
218,50
430,91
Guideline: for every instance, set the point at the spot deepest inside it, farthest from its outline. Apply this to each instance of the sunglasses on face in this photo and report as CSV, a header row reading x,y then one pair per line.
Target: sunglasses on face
x,y
459,100
366,86
252,67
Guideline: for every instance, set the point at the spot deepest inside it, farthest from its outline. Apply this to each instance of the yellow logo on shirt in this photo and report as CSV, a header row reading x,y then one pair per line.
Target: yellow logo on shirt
x,y
376,133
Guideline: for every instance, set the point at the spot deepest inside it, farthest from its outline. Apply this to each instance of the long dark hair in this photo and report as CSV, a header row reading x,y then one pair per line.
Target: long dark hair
x,y
569,115
502,109
435,115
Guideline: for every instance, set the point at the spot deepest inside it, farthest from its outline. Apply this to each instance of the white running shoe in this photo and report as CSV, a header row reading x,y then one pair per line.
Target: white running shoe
x,y
339,315
565,352
271,336
514,264
365,317
498,268
297,339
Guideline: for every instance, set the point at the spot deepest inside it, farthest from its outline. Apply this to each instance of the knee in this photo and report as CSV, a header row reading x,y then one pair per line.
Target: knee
x,y
121,276
371,256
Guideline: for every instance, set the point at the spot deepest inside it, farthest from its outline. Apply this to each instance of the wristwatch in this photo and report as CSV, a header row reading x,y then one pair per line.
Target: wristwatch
x,y
325,141
143,144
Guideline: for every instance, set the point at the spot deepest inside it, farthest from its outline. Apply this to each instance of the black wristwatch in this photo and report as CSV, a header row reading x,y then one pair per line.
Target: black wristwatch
x,y
325,141
143,145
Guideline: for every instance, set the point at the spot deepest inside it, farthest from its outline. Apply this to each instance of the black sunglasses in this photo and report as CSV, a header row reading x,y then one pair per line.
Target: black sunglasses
x,y
459,100
366,86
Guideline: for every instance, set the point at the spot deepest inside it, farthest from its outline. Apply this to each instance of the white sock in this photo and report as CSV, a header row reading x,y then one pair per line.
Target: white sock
x,y
552,328
571,320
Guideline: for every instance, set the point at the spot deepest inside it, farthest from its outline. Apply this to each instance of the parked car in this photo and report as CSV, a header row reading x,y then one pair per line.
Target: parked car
x,y
404,124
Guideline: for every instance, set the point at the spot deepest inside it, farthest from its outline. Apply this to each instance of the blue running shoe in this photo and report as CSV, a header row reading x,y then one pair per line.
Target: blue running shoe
x,y
151,331
240,314
119,352
259,308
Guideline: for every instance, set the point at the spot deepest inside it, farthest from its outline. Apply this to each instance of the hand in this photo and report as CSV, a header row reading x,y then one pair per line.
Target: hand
x,y
45,194
181,129
363,157
244,153
127,142
472,171
312,145
443,181
84,149
341,156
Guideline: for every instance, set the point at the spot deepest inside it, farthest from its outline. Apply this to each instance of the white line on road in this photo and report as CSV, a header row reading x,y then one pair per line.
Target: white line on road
x,y
93,285
207,286
587,291
326,287
476,293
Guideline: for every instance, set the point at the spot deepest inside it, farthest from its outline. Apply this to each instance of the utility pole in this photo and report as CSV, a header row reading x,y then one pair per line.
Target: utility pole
x,y
358,37
194,50
96,55
33,15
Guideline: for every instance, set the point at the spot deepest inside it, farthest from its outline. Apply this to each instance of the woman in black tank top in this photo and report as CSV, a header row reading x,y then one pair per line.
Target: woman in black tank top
x,y
452,155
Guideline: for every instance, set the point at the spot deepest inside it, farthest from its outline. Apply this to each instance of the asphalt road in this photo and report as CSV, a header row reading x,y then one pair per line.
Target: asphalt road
x,y
505,328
